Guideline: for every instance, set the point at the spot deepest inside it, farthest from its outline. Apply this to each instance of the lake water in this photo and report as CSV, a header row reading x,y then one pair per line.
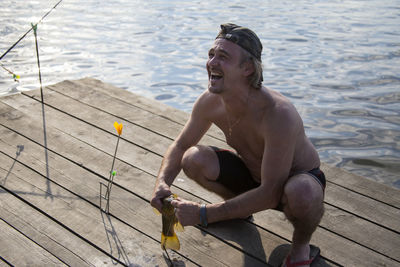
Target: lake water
x,y
337,61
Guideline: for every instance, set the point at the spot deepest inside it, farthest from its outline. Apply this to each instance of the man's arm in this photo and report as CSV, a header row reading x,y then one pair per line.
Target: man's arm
x,y
195,128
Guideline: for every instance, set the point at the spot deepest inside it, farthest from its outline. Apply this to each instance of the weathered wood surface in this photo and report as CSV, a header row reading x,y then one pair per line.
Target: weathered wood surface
x,y
54,156
20,250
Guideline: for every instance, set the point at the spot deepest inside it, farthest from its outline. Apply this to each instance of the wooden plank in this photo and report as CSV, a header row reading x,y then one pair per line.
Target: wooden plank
x,y
158,116
162,109
86,133
143,126
330,237
350,200
48,234
80,88
3,262
20,251
366,187
130,208
127,245
383,214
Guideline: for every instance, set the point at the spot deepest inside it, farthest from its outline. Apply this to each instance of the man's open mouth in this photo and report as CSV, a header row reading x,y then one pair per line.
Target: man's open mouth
x,y
215,76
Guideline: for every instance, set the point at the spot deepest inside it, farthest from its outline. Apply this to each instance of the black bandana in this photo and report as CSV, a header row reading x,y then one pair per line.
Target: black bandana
x,y
243,37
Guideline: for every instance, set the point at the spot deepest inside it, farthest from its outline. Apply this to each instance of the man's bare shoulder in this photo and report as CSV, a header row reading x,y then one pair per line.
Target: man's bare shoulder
x,y
207,98
207,104
280,113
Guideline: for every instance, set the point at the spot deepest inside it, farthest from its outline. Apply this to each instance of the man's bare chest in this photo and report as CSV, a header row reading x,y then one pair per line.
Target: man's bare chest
x,y
248,144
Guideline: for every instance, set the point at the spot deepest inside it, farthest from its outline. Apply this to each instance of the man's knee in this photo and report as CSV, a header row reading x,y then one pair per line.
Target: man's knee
x,y
200,162
190,160
304,196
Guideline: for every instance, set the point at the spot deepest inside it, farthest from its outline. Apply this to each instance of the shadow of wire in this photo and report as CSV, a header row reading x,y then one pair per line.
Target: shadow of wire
x,y
112,236
20,148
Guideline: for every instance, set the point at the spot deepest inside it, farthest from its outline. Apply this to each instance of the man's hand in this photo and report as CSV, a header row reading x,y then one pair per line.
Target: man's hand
x,y
161,191
187,212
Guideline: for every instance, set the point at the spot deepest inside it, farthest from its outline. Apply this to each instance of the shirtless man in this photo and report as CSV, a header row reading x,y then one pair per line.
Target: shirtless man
x,y
275,165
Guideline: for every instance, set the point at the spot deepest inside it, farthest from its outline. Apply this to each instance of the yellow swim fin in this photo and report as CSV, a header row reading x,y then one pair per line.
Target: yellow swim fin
x,y
170,242
178,227
156,211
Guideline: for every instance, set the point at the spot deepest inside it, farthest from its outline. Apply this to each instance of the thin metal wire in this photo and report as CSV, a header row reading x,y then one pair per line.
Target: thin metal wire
x,y
23,36
111,178
34,27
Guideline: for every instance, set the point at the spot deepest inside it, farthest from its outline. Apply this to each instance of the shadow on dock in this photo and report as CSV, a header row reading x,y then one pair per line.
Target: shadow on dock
x,y
245,236
114,241
20,148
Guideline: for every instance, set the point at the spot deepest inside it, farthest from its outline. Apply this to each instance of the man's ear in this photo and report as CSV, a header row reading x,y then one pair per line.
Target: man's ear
x,y
248,68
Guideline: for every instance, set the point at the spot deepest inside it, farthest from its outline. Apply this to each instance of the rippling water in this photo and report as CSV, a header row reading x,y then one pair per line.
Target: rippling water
x,y
338,61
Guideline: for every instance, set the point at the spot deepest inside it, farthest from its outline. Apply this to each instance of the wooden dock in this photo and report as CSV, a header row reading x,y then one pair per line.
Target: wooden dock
x,y
53,157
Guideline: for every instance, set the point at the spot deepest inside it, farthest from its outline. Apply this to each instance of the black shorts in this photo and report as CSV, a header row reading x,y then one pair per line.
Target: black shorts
x,y
235,175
